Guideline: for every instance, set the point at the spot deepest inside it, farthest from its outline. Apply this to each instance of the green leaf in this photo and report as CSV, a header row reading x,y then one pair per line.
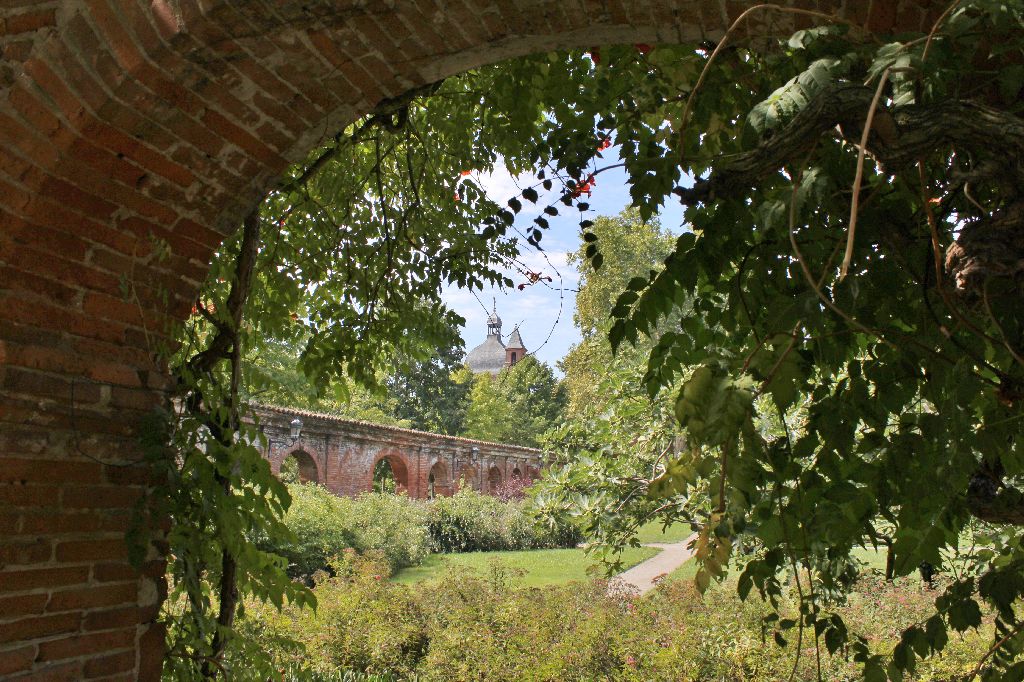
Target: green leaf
x,y
786,102
964,614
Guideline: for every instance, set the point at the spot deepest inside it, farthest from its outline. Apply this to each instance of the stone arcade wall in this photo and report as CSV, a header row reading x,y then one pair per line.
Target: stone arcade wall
x,y
123,120
343,453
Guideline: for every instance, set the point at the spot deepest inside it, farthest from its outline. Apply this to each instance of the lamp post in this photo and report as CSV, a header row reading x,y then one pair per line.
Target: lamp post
x,y
295,430
474,456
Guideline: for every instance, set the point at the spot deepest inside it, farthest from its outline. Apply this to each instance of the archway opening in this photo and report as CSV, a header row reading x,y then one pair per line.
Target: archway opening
x,y
494,479
517,474
390,475
215,173
299,467
438,480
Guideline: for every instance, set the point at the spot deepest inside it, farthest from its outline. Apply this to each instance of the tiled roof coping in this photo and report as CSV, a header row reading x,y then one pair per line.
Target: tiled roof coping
x,y
395,429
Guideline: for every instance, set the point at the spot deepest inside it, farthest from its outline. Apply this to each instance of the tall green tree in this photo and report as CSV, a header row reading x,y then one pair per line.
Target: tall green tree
x,y
518,406
272,377
632,248
427,393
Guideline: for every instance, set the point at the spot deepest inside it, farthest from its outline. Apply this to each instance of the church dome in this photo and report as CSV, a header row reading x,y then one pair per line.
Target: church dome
x,y
489,356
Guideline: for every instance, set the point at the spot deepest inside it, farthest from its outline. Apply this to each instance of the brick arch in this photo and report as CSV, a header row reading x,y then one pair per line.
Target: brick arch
x,y
310,470
123,120
439,479
400,468
494,479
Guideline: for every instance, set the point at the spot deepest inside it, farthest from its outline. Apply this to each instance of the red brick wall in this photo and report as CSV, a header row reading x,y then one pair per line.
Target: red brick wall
x,y
125,120
346,452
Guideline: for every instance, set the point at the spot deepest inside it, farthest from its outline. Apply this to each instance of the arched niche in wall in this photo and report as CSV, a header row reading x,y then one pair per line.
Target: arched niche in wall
x,y
468,477
494,479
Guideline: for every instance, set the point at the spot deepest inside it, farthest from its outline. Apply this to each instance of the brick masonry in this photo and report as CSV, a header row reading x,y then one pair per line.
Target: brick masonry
x,y
123,122
341,454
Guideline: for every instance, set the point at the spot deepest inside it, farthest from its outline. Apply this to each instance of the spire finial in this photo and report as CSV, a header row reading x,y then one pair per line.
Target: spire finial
x,y
494,322
494,304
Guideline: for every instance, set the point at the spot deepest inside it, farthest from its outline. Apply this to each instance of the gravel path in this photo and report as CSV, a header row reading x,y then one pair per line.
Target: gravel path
x,y
641,577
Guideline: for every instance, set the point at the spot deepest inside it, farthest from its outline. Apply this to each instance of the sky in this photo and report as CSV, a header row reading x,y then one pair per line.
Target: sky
x,y
544,313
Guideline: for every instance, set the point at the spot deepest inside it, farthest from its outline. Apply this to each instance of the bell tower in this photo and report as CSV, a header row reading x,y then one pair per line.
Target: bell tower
x,y
515,350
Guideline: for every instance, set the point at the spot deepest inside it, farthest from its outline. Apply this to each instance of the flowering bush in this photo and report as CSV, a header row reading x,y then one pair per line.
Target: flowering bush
x,y
512,489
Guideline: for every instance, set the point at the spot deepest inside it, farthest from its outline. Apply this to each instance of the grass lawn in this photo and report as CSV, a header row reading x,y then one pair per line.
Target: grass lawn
x,y
541,566
653,532
872,558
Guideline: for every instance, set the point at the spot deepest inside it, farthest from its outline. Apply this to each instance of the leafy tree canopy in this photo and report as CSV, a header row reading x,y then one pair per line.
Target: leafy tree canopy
x,y
272,377
850,311
631,248
518,406
427,393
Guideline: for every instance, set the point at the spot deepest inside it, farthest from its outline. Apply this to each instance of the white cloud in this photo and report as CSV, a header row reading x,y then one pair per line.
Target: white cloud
x,y
501,185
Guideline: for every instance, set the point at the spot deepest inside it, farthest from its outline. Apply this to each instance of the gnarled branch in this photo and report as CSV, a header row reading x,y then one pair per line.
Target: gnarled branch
x,y
899,138
988,499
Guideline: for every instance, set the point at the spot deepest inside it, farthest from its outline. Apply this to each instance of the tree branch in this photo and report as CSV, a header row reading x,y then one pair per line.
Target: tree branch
x,y
227,331
898,139
383,115
989,499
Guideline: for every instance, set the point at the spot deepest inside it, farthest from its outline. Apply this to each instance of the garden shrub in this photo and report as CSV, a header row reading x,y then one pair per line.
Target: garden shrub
x,y
368,624
405,530
314,519
394,525
469,521
362,625
482,627
324,525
